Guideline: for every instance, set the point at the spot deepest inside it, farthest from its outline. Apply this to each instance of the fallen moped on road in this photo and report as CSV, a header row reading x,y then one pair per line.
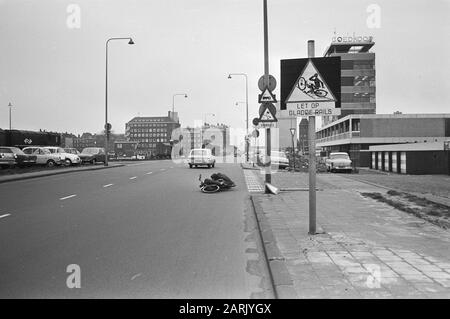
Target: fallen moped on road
x,y
216,183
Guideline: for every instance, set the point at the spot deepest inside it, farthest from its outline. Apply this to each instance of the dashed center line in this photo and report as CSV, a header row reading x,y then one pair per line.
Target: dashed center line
x,y
107,185
67,197
134,177
148,173
5,215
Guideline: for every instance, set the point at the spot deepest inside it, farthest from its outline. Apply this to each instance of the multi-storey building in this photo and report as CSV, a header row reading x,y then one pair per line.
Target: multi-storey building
x,y
152,134
357,75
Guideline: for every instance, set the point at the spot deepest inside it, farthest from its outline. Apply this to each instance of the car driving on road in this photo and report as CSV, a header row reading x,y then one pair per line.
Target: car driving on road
x,y
93,155
201,157
339,161
43,156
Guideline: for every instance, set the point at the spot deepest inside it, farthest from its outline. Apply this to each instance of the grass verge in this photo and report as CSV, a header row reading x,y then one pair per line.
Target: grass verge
x,y
423,208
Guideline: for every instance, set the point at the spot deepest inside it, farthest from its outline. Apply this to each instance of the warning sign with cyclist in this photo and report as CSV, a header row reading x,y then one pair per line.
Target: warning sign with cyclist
x,y
311,87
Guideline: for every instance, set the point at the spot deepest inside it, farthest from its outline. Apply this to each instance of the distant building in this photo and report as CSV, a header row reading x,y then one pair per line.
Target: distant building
x,y
152,135
354,133
357,75
215,137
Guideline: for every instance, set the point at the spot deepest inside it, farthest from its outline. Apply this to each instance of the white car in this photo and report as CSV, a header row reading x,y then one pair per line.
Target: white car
x,y
43,156
68,158
339,161
201,157
276,158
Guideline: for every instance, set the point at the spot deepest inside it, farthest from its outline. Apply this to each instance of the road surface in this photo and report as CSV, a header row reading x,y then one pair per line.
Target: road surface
x,y
139,231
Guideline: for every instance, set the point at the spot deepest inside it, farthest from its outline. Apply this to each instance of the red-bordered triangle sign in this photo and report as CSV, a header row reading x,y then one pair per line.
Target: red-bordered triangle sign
x,y
310,87
267,114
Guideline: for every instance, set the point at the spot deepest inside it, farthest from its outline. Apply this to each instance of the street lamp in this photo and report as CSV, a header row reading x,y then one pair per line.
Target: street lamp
x,y
107,126
10,107
173,100
246,103
293,153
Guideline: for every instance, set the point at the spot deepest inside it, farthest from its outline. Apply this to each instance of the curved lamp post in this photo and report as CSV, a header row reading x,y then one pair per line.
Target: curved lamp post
x,y
130,41
246,103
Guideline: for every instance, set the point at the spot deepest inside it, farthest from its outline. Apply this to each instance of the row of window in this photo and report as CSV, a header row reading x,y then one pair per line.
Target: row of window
x,y
148,130
148,135
367,81
148,125
358,65
358,98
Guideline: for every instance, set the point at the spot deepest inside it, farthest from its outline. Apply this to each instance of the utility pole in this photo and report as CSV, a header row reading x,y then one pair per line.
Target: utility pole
x,y
312,160
10,107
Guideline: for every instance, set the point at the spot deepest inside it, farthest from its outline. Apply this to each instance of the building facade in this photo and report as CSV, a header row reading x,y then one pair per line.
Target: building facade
x,y
358,89
152,135
354,133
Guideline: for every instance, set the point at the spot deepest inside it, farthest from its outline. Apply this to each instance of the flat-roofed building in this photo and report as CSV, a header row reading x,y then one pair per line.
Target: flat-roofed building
x,y
355,133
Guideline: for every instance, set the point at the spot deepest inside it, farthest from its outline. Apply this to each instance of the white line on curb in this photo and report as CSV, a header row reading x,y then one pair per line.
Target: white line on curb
x,y
6,215
134,177
107,185
67,197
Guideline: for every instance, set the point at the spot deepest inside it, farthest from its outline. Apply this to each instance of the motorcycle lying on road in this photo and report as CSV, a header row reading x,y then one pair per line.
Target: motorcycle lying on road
x,y
216,183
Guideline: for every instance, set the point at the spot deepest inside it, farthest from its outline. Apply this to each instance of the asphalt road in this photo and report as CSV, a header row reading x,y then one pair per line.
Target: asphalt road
x,y
139,231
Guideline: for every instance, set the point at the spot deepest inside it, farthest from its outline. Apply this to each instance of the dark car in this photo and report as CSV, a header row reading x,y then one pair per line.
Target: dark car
x,y
20,158
92,155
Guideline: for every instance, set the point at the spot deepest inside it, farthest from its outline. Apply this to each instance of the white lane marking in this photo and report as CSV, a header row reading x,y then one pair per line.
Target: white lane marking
x,y
107,185
134,177
5,215
135,276
67,197
163,169
148,173
171,166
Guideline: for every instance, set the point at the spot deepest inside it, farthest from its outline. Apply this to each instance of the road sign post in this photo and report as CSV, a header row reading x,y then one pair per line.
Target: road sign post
x,y
312,160
311,87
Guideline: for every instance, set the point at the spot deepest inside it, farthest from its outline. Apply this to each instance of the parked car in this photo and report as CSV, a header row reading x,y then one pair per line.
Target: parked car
x,y
93,155
201,157
20,158
138,157
7,158
277,158
71,150
339,161
67,158
43,156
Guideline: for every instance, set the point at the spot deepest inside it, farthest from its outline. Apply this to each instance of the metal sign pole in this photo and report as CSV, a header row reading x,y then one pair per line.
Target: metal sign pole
x,y
266,79
312,160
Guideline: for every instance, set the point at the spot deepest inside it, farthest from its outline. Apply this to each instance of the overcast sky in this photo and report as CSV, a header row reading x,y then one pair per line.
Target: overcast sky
x,y
55,75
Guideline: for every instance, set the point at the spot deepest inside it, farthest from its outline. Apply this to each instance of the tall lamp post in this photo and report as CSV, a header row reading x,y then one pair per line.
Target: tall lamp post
x,y
293,149
107,126
10,107
173,99
246,103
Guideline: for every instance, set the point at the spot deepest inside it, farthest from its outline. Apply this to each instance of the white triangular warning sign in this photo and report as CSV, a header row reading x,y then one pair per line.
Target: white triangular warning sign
x,y
310,87
267,116
267,96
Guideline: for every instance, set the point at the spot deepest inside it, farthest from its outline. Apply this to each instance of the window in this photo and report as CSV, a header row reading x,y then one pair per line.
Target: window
x,y
347,81
346,65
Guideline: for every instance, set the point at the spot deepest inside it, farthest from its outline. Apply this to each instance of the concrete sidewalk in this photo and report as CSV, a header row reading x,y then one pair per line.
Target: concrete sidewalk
x,y
364,249
54,171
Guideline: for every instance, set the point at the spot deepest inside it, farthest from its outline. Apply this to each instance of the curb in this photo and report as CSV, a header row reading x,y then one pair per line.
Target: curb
x,y
50,173
251,168
279,275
